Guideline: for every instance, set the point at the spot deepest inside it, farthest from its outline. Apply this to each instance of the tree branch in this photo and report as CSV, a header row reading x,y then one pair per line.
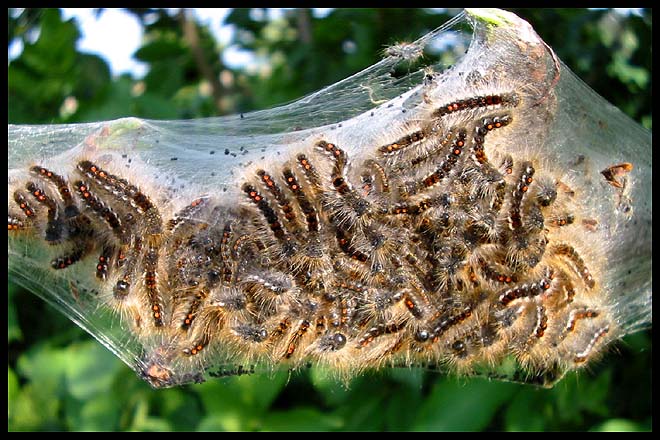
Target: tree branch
x,y
191,37
304,23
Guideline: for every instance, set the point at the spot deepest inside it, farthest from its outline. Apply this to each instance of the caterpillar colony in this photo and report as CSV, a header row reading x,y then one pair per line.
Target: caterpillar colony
x,y
490,218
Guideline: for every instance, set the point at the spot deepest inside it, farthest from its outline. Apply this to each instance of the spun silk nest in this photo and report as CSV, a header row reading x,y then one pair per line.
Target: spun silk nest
x,y
484,212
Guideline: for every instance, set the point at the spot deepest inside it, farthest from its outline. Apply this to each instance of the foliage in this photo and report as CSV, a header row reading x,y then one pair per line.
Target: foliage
x,y
60,379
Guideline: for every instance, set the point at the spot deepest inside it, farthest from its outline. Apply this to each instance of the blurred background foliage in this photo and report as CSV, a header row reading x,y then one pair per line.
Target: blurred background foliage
x,y
59,378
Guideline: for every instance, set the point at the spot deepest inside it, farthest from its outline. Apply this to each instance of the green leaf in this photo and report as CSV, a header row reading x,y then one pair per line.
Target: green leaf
x,y
54,52
225,422
97,413
44,365
363,410
528,410
155,106
577,396
620,425
160,49
142,421
117,103
93,77
35,408
409,377
456,406
634,76
178,403
153,424
90,369
222,404
402,408
12,391
301,419
260,390
333,389
13,328
165,78
238,403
